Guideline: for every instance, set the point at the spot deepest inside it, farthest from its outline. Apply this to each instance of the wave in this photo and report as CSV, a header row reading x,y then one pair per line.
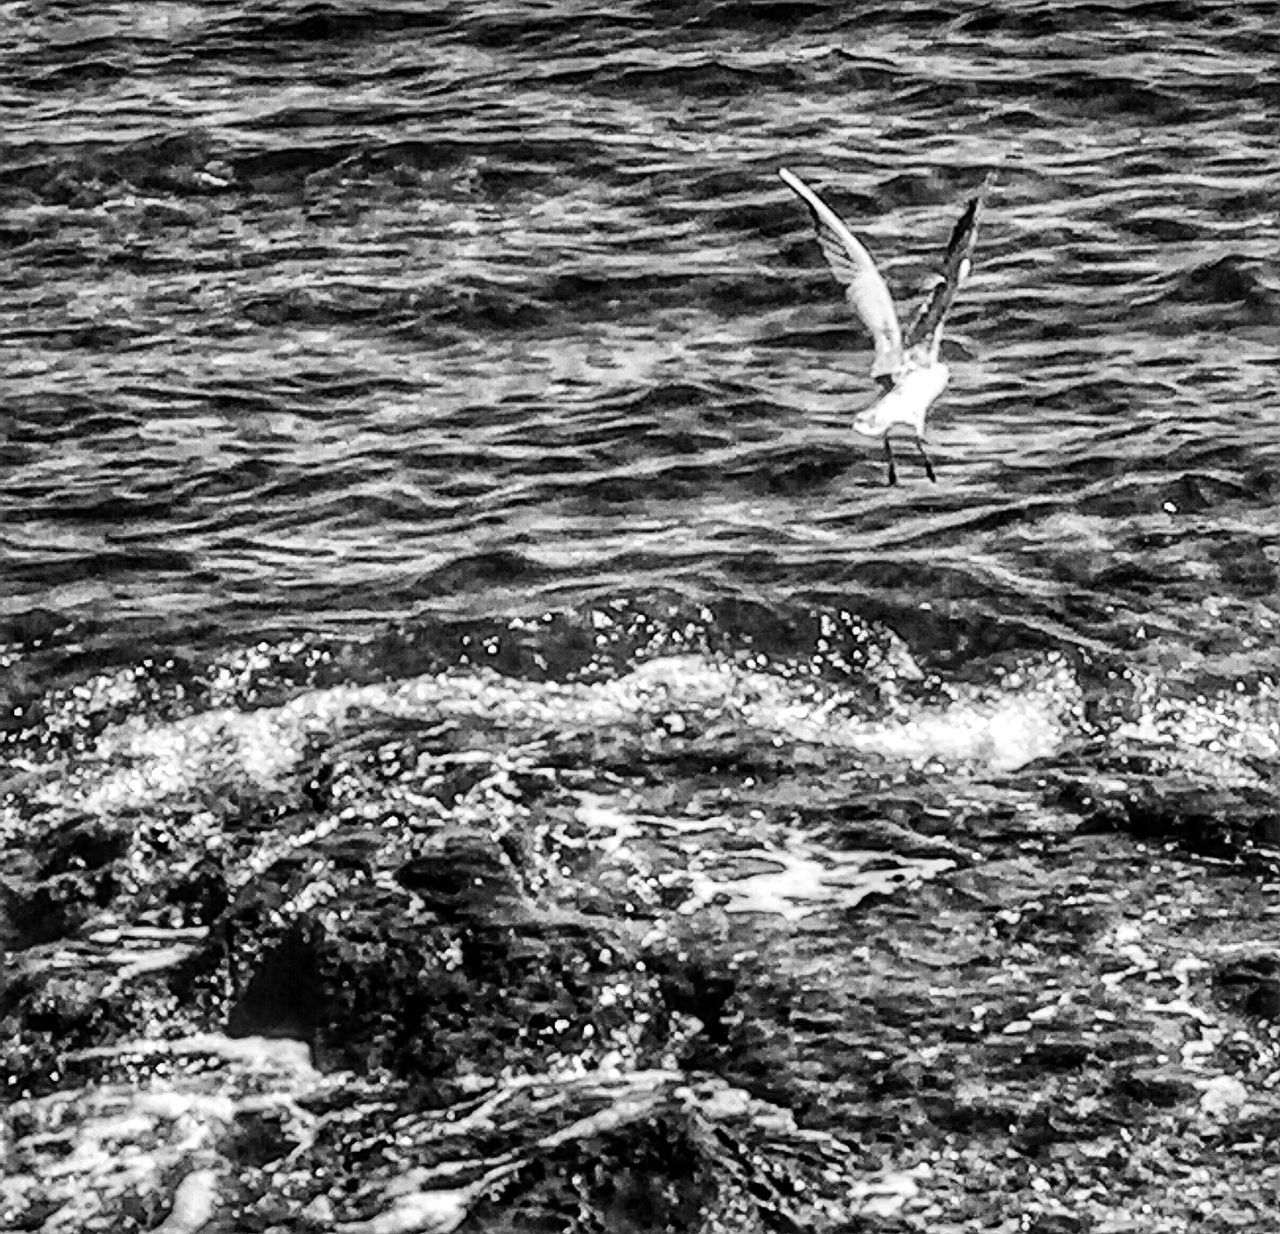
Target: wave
x,y
703,79
322,23
90,173
815,677
1232,280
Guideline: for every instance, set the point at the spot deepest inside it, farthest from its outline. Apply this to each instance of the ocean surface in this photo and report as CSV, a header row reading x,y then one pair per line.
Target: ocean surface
x,y
424,430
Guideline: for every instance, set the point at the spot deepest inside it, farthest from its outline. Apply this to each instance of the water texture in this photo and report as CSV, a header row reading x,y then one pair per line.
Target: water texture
x,y
435,565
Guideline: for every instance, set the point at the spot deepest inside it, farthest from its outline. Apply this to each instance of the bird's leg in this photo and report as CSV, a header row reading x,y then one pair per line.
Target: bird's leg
x,y
928,466
888,453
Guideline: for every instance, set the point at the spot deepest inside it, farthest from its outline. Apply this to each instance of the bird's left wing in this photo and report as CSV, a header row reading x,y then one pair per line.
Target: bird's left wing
x,y
926,326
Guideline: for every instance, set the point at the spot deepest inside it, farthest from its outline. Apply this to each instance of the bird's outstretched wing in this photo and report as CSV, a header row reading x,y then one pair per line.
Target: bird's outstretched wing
x,y
926,326
852,265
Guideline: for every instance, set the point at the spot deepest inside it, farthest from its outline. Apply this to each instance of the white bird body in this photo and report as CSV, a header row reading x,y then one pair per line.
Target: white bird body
x,y
907,404
907,369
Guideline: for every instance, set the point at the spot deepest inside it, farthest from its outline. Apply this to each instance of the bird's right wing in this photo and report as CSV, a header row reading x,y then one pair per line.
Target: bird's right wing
x,y
852,265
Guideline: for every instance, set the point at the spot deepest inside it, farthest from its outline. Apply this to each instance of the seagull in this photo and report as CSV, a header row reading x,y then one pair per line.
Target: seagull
x,y
907,370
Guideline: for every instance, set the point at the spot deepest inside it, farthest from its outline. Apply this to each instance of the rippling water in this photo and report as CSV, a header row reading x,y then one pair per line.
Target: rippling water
x,y
448,404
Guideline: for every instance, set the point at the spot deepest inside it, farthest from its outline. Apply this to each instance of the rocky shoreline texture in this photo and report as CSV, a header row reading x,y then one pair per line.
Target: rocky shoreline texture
x,y
399,971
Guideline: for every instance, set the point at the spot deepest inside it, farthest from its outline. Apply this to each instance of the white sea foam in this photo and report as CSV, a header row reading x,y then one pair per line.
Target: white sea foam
x,y
87,1149
1001,729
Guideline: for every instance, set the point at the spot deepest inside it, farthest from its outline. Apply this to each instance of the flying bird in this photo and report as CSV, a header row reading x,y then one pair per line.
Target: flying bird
x,y
907,369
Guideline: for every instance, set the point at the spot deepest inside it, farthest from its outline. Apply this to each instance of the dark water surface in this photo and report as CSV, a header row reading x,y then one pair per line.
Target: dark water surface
x,y
445,620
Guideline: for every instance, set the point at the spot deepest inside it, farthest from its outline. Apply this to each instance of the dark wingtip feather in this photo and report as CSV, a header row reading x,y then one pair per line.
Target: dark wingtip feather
x,y
969,219
966,223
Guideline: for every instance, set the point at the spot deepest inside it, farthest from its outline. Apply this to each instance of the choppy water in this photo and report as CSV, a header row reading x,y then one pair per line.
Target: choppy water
x,y
423,425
